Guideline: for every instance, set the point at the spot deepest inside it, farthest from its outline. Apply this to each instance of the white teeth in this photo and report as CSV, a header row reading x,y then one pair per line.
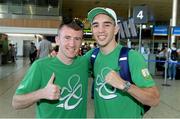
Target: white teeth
x,y
102,37
71,49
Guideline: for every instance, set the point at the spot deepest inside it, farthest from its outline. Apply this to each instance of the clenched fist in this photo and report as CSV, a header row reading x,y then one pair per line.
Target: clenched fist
x,y
113,79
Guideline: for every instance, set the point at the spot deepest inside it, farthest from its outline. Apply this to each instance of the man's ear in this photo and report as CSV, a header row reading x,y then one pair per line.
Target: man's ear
x,y
57,40
116,29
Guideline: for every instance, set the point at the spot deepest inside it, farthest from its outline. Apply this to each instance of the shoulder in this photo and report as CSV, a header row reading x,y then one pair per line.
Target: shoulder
x,y
134,52
135,55
89,53
43,61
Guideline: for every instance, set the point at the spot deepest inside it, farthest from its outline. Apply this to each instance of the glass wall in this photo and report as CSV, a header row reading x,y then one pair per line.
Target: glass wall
x,y
31,7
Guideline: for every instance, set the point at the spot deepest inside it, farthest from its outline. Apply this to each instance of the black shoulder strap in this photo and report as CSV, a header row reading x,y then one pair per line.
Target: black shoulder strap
x,y
124,65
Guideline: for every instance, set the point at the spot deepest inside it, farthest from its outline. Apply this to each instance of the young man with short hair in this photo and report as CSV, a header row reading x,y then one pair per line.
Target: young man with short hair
x,y
115,97
58,85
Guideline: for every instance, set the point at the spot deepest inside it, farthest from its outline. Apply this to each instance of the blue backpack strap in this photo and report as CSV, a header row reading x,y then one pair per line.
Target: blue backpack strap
x,y
93,58
94,55
124,65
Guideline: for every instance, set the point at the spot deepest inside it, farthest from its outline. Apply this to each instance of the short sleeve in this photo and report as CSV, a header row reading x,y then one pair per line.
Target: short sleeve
x,y
31,80
139,71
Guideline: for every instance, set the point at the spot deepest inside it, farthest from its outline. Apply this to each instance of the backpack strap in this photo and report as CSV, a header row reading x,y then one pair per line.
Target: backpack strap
x,y
93,56
122,62
124,65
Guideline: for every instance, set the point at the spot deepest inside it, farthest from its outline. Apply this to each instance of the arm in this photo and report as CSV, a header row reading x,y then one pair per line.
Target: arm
x,y
26,100
50,92
148,96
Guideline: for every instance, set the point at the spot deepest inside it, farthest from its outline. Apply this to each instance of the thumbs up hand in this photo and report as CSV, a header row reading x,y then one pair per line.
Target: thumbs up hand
x,y
51,91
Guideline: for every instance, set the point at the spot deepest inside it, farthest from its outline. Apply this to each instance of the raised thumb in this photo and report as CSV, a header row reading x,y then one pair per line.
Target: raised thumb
x,y
51,80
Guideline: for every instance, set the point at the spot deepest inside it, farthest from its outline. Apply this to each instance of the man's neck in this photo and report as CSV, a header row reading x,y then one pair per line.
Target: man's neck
x,y
63,59
109,48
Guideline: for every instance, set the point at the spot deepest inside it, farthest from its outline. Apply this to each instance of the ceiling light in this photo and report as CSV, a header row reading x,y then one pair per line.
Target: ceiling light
x,y
21,35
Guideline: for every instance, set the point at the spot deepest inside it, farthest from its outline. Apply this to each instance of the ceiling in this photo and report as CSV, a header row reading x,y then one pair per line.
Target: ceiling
x,y
160,9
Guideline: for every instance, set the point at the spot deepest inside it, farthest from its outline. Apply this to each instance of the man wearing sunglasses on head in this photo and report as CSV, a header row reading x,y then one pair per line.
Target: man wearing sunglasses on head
x,y
58,85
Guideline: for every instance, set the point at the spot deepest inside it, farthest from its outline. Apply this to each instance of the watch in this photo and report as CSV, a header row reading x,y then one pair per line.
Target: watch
x,y
127,85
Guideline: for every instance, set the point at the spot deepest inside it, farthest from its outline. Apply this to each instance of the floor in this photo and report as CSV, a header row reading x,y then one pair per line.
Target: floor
x,y
11,74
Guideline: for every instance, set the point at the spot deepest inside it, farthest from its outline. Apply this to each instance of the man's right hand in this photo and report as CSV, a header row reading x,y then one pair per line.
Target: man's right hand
x,y
113,79
51,91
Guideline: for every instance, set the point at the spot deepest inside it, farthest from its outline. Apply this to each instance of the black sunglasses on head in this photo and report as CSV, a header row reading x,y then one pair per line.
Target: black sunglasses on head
x,y
67,20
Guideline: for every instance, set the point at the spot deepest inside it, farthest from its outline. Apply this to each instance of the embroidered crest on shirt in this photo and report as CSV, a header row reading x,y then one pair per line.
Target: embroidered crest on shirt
x,y
20,86
145,73
70,93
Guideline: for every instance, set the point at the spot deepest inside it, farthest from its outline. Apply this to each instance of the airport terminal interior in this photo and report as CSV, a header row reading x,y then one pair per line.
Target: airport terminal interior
x,y
148,26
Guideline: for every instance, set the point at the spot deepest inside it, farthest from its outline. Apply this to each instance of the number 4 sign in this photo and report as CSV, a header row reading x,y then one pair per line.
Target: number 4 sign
x,y
140,14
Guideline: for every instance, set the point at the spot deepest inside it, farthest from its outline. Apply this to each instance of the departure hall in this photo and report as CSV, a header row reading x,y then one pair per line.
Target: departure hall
x,y
149,27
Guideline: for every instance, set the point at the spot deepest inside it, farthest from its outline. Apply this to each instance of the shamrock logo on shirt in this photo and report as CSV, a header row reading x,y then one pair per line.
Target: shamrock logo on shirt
x,y
71,93
102,86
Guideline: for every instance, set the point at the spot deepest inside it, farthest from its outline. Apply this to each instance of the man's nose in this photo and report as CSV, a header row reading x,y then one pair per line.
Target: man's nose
x,y
72,42
101,28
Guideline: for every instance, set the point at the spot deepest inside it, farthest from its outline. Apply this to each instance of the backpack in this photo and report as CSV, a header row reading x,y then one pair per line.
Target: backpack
x,y
123,63
174,55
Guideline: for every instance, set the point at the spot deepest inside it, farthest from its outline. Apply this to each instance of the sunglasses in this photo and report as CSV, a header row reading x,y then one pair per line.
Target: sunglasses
x,y
67,20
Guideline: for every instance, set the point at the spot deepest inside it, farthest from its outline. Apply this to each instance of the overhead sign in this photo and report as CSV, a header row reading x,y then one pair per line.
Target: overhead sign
x,y
140,14
127,29
160,31
121,31
176,31
132,27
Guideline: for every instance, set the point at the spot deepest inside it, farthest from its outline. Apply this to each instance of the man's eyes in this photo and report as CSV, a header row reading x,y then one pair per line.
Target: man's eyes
x,y
67,37
75,38
108,24
105,25
95,25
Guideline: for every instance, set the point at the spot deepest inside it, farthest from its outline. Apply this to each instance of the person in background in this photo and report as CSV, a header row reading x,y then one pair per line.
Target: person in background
x,y
54,51
114,97
58,85
84,48
173,59
32,53
15,48
12,52
44,48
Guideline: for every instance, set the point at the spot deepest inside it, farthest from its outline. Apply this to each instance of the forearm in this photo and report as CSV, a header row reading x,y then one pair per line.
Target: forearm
x,y
26,100
148,96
